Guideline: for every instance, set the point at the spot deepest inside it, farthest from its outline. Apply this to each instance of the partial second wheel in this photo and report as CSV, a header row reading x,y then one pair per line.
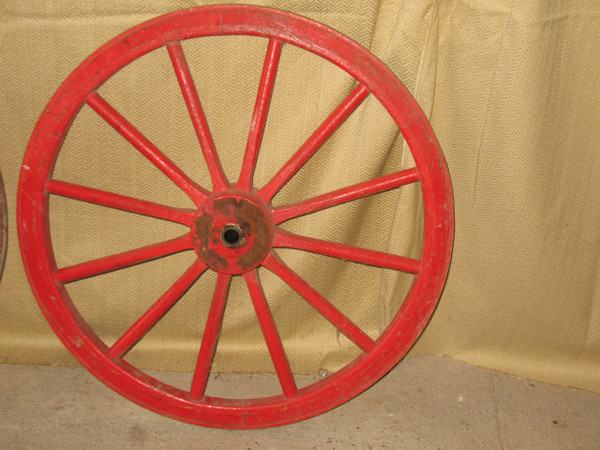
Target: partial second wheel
x,y
3,226
235,229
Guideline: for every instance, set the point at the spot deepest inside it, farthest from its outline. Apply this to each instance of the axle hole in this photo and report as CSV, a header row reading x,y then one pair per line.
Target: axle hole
x,y
231,236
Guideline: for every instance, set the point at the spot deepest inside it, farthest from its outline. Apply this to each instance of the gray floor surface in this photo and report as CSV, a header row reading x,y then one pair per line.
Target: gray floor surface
x,y
425,402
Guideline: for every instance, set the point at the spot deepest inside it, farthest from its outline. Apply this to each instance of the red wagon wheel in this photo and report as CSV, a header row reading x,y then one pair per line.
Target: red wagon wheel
x,y
234,229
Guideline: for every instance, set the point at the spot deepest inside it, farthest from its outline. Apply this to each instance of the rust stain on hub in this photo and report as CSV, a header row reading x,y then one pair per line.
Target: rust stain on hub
x,y
232,211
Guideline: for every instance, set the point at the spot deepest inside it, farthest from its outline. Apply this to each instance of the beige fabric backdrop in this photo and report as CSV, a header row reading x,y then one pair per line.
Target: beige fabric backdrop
x,y
513,93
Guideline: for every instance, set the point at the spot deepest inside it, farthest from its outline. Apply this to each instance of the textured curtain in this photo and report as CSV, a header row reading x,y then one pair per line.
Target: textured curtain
x,y
512,90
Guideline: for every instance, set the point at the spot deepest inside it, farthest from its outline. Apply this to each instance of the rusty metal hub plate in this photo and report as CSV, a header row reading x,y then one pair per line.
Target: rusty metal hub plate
x,y
232,232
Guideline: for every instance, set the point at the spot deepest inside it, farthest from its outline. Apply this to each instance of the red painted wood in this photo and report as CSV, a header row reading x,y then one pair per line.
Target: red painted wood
x,y
192,101
146,148
317,139
316,300
122,202
347,194
157,311
267,324
211,334
379,355
372,258
122,260
261,109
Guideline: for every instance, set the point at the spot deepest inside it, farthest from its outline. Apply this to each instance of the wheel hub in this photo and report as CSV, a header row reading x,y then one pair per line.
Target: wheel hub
x,y
232,232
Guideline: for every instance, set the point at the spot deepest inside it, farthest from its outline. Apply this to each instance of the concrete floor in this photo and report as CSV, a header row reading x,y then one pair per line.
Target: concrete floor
x,y
425,402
